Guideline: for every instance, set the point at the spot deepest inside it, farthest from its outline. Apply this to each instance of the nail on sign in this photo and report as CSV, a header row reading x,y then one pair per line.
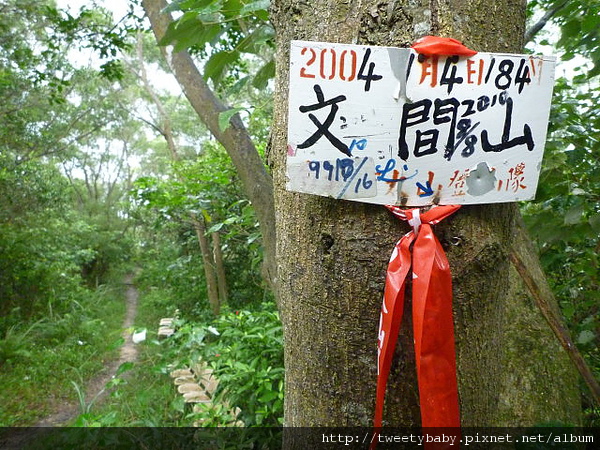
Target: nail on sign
x,y
384,125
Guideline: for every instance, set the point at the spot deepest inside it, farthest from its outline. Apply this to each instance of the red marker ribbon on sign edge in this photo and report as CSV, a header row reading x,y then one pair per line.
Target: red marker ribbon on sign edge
x,y
432,319
441,46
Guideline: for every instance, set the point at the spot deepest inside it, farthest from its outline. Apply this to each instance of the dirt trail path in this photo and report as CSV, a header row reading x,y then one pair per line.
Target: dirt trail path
x,y
68,412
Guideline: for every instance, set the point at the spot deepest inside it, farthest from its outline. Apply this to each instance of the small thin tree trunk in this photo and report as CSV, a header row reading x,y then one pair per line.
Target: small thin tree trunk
x,y
528,266
213,265
209,264
220,267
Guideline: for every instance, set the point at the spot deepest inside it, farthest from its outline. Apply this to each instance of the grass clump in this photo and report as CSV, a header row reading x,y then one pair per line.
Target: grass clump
x,y
39,361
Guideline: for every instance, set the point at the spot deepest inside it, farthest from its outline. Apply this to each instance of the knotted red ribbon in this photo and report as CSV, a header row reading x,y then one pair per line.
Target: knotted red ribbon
x,y
432,318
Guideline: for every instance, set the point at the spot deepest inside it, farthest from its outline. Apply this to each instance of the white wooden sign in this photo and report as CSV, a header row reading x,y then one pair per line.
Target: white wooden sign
x,y
385,125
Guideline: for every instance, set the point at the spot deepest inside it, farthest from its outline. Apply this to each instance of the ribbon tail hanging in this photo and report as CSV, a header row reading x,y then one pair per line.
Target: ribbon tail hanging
x,y
391,317
432,320
434,333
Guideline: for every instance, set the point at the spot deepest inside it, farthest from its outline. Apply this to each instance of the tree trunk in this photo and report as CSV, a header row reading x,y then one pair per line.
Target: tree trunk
x,y
256,181
213,268
208,263
332,257
219,267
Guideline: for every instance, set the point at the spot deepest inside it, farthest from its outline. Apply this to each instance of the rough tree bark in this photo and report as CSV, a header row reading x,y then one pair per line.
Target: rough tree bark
x,y
332,258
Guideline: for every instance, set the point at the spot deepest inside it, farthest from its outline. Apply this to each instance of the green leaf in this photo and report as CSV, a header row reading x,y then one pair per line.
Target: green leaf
x,y
571,28
574,215
206,215
188,15
255,6
182,5
172,7
595,222
585,337
178,404
590,23
225,117
124,368
254,42
117,343
175,31
265,73
207,7
217,64
239,86
196,34
216,227
268,396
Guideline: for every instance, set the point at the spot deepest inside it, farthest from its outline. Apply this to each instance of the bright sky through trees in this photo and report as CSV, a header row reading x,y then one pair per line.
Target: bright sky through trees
x,y
87,57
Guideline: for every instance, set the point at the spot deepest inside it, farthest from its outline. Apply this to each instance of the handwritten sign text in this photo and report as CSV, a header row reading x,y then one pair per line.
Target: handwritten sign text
x,y
386,125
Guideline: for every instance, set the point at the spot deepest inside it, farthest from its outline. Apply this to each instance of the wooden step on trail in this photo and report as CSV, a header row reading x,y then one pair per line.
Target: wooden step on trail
x,y
166,328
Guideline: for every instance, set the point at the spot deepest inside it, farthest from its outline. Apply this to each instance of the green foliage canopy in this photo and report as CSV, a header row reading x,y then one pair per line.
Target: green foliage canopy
x,y
228,35
565,217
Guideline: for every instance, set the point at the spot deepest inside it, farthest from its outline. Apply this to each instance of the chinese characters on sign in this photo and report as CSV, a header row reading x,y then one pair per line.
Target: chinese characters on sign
x,y
386,125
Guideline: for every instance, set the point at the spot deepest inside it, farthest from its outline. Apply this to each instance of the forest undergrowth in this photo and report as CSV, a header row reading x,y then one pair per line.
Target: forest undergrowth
x,y
44,363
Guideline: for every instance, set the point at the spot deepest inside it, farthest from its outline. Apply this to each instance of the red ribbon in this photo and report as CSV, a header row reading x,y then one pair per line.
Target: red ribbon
x,y
441,46
432,318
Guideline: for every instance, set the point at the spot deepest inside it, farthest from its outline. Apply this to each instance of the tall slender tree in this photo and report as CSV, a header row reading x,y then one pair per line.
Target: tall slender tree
x,y
256,181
